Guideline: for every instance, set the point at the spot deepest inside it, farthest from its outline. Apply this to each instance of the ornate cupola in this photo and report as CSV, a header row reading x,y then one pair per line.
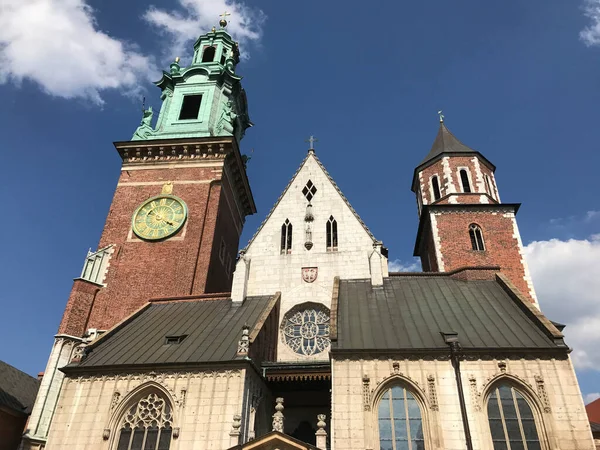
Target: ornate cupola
x,y
204,99
462,222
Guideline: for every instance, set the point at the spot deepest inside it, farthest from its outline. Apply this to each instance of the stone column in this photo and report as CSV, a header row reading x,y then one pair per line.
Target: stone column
x,y
278,416
321,434
234,434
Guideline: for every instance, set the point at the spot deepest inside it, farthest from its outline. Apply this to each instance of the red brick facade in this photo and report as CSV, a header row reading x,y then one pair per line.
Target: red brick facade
x,y
444,243
191,262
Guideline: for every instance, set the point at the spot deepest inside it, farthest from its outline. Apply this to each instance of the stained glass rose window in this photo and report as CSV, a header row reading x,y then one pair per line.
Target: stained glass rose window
x,y
306,329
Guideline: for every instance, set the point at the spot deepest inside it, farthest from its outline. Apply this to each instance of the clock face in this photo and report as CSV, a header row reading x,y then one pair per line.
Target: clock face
x,y
159,217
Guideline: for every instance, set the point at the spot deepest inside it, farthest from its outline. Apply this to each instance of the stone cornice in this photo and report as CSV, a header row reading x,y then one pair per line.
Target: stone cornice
x,y
169,151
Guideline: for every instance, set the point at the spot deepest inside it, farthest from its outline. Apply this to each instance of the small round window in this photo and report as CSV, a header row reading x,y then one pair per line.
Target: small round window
x,y
306,329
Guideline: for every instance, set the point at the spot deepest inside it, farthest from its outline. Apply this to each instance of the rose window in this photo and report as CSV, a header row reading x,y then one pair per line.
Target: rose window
x,y
306,331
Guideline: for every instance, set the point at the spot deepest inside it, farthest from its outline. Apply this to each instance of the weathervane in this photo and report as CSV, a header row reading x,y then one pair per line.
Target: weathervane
x,y
223,21
441,116
311,140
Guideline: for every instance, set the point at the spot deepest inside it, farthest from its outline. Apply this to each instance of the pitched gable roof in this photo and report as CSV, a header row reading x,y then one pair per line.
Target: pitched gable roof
x,y
17,389
310,154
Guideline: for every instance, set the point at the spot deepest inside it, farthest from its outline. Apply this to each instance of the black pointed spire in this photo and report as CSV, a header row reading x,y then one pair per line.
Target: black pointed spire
x,y
446,142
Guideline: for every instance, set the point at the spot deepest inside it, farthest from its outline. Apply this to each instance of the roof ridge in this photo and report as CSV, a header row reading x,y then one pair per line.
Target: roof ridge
x,y
287,187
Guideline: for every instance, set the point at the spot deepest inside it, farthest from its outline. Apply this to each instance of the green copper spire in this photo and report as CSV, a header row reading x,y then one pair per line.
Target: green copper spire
x,y
204,99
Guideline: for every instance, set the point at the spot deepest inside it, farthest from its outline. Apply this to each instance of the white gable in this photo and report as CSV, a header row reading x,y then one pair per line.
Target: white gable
x,y
265,269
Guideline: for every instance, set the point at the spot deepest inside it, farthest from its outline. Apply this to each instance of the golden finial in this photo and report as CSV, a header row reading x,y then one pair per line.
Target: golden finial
x,y
441,116
213,29
223,21
177,60
167,188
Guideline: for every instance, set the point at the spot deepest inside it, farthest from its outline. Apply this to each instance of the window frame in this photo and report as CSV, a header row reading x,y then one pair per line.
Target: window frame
x,y
479,243
532,401
204,50
287,230
432,188
116,422
469,179
430,421
331,235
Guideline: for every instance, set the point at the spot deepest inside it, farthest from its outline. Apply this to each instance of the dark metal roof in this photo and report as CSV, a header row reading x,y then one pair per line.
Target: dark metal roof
x,y
446,142
212,329
595,428
409,313
17,389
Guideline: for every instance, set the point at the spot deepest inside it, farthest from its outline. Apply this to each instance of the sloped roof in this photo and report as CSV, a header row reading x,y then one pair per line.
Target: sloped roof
x,y
212,329
410,312
446,142
333,183
17,389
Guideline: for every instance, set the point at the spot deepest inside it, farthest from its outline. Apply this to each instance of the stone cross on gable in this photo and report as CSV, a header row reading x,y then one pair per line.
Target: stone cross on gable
x,y
311,140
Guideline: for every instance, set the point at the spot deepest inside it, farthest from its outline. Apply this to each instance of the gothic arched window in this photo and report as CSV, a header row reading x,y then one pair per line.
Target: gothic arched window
x,y
476,237
464,180
400,422
147,425
286,237
511,420
209,54
435,186
332,235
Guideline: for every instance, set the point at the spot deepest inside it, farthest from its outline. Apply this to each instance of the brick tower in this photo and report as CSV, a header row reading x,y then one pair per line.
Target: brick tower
x,y
462,222
174,224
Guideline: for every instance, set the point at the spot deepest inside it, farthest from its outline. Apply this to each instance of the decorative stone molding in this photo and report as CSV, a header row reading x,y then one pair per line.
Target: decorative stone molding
x,y
475,395
234,434
321,434
502,366
115,399
541,389
366,393
244,342
106,434
176,432
433,402
396,368
182,397
278,416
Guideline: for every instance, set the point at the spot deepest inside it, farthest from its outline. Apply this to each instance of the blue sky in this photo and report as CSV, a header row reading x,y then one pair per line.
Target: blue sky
x,y
517,80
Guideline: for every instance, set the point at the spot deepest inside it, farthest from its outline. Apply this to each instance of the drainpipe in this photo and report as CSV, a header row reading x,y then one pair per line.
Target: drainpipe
x,y
451,339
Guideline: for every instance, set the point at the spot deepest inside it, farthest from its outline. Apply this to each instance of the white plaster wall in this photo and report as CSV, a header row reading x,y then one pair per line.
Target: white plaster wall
x,y
270,271
563,426
204,413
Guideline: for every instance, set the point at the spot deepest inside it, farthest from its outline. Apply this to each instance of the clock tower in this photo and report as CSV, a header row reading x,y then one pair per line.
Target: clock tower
x,y
174,224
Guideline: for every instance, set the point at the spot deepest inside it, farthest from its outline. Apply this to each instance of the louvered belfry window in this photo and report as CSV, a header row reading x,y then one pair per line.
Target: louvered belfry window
x,y
511,420
286,237
147,425
400,423
332,235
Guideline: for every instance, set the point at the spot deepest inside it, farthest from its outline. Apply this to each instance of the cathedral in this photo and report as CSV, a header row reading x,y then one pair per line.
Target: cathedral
x,y
174,338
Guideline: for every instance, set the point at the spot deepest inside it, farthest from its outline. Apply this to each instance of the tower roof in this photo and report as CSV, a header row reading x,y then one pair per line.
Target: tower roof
x,y
445,143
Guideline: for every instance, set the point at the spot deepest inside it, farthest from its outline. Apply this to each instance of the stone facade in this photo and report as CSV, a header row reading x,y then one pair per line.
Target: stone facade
x,y
550,387
264,268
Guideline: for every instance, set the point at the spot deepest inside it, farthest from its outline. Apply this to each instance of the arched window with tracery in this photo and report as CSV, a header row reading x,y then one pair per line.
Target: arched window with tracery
x,y
147,425
400,421
286,237
511,420
476,236
332,234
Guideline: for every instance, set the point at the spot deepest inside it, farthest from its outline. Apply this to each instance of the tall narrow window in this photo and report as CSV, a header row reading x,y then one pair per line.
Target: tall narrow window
x,y
400,424
332,236
464,179
286,237
511,420
209,54
476,237
147,425
435,186
190,107
488,185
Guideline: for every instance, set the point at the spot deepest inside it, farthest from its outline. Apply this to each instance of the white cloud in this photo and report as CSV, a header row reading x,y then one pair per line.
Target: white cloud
x,y
590,35
589,398
566,276
57,44
199,16
398,265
